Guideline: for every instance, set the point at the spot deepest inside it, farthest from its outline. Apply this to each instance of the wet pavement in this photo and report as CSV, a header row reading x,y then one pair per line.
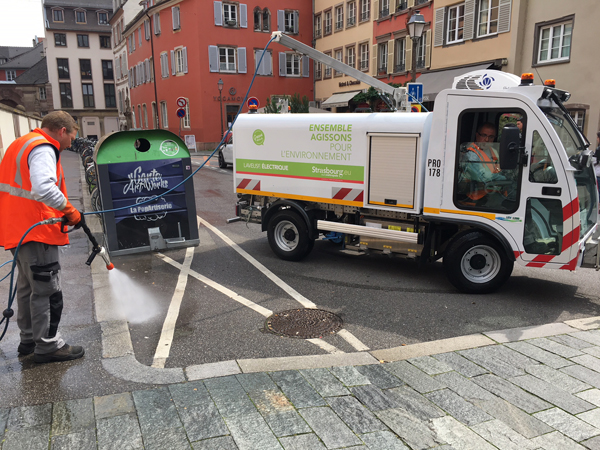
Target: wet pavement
x,y
523,388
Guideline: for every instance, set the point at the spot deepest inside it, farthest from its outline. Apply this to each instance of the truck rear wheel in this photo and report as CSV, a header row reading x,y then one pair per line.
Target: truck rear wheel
x,y
476,264
288,236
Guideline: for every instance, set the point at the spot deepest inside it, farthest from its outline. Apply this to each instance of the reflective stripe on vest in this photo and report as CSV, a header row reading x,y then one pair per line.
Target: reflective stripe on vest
x,y
491,163
18,179
17,192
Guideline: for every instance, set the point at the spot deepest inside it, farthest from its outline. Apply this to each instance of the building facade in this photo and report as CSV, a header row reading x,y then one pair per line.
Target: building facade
x,y
558,40
80,62
188,47
123,13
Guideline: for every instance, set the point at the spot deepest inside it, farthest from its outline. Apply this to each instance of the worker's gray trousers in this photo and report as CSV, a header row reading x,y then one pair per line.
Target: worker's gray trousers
x,y
39,296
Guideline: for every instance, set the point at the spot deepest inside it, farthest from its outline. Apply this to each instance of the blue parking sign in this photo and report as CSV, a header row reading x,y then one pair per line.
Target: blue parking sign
x,y
415,92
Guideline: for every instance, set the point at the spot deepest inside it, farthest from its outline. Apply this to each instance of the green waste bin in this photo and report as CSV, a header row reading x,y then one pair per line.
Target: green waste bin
x,y
136,166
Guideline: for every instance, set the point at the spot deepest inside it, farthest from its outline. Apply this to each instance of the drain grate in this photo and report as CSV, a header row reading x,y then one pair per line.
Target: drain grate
x,y
304,323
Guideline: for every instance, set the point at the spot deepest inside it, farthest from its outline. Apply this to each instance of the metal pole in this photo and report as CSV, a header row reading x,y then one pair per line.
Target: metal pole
x,y
157,124
413,72
221,102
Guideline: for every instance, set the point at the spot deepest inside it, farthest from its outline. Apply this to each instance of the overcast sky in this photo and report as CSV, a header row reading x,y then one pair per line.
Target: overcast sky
x,y
20,22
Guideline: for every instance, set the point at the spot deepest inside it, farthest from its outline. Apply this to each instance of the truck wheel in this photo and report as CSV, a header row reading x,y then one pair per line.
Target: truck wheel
x,y
476,264
222,163
288,236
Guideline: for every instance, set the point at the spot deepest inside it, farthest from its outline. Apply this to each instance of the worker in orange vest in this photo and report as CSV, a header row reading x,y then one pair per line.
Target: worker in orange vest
x,y
32,189
480,162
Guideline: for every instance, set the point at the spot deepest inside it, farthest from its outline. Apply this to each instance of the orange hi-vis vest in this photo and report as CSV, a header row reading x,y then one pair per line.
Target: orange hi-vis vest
x,y
18,209
492,165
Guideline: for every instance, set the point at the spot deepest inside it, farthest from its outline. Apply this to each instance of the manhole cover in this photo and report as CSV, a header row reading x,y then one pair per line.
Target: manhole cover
x,y
304,323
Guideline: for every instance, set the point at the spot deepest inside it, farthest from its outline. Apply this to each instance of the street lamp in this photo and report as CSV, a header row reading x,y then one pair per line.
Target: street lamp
x,y
415,26
220,84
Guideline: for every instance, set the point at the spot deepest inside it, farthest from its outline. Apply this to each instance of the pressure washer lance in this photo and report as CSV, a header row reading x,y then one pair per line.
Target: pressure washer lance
x,y
96,249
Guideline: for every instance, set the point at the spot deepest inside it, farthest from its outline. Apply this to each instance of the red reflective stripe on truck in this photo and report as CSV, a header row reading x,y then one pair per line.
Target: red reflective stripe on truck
x,y
342,193
571,265
244,183
359,197
569,239
570,209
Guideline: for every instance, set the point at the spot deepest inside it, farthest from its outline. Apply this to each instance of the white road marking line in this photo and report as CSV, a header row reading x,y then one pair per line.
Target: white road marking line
x,y
325,346
222,289
270,275
349,337
242,300
163,347
352,340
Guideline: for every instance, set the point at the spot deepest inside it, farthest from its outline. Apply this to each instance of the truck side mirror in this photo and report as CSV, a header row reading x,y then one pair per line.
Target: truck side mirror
x,y
509,147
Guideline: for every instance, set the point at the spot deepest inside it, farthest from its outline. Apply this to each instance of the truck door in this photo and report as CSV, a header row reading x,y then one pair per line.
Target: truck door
x,y
530,205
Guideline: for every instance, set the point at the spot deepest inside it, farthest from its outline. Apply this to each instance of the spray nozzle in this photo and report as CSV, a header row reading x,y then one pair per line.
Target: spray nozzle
x,y
104,254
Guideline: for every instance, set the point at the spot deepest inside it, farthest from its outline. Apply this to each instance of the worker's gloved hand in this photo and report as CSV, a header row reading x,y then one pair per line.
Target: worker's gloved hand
x,y
73,217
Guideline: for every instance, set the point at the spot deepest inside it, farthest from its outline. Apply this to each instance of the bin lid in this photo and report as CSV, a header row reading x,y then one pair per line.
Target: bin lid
x,y
139,145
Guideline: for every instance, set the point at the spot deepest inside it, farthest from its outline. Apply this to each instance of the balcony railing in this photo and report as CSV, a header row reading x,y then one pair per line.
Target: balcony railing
x,y
420,2
420,63
364,16
364,65
318,74
328,72
339,25
327,30
382,69
402,6
399,68
384,13
351,21
317,33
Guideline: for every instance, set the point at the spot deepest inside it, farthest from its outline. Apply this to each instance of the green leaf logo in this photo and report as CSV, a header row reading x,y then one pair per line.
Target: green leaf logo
x,y
258,137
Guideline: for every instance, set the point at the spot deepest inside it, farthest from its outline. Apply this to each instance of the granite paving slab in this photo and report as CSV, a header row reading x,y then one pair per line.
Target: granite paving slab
x,y
514,417
220,443
302,442
591,396
374,398
511,393
588,361
380,377
430,365
552,394
555,347
297,389
556,441
415,403
502,436
465,387
458,407
584,374
592,417
33,437
355,415
202,421
329,427
73,415
459,436
250,432
119,432
29,416
559,379
3,420
414,377
349,376
570,341
81,440
461,364
229,396
414,432
593,337
539,354
171,438
155,410
593,443
567,424
190,394
113,405
488,359
325,382
383,440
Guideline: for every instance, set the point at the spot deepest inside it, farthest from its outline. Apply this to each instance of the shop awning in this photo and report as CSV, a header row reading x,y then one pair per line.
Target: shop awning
x,y
339,100
435,82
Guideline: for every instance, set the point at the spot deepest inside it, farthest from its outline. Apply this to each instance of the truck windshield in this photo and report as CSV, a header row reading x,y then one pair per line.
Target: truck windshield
x,y
573,143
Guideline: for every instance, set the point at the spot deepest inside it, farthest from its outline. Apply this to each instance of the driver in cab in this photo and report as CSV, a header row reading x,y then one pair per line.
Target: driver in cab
x,y
480,166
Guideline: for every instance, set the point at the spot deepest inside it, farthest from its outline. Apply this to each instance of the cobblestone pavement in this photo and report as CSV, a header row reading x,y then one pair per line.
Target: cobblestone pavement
x,y
531,390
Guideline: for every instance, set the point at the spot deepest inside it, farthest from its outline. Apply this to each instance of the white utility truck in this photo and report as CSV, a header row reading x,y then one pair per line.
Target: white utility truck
x,y
427,185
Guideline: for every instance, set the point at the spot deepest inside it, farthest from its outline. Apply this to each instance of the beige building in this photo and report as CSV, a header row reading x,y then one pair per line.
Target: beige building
x,y
80,63
559,40
469,35
343,30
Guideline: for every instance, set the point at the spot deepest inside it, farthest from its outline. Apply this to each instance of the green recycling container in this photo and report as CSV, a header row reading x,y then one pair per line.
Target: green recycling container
x,y
133,167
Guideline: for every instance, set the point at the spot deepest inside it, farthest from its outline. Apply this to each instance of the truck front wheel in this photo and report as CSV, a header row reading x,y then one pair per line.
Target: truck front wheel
x,y
222,163
288,236
476,264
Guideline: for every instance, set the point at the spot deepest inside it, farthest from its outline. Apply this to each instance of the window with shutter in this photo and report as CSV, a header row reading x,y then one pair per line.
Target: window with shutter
x,y
213,58
218,11
243,15
175,15
156,23
241,54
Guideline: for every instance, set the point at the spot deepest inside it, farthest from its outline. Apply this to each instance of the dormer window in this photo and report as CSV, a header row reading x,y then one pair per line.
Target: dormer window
x,y
80,16
102,18
58,15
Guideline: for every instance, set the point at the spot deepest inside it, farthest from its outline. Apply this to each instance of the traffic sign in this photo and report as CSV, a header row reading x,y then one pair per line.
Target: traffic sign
x,y
181,113
181,102
253,103
415,107
415,92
